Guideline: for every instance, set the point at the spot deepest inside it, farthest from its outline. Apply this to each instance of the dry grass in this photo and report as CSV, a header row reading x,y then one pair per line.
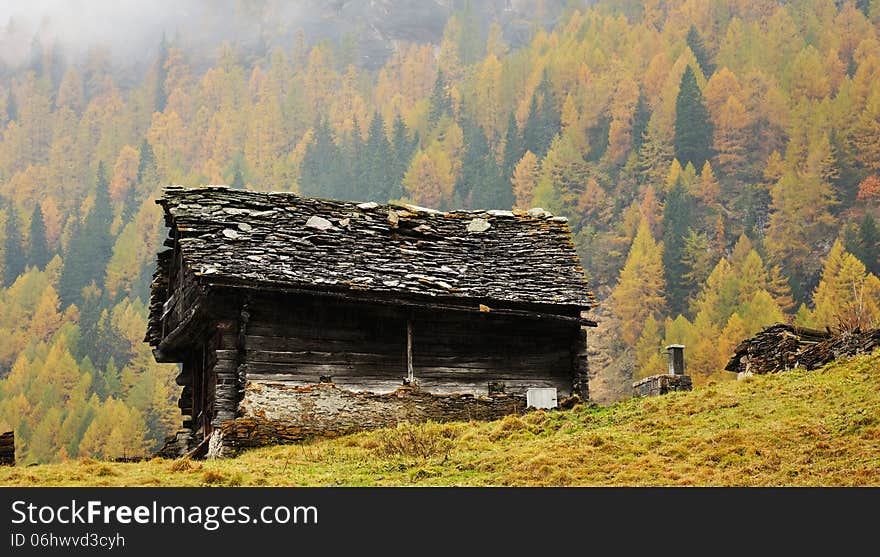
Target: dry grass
x,y
798,428
419,441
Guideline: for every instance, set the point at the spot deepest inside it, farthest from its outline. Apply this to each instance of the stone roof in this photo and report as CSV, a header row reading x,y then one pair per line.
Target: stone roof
x,y
230,236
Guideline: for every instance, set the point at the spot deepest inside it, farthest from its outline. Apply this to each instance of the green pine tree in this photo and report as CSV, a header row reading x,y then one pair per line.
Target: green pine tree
x,y
349,181
378,159
38,252
678,212
695,42
513,148
868,247
440,101
321,167
147,180
402,149
543,122
480,184
91,247
693,128
147,168
237,179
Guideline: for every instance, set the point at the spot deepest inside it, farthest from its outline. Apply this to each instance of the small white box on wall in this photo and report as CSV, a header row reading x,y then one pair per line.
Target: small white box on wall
x,y
541,398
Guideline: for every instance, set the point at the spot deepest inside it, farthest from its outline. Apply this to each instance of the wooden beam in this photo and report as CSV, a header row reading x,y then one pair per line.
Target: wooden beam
x,y
185,330
477,307
410,375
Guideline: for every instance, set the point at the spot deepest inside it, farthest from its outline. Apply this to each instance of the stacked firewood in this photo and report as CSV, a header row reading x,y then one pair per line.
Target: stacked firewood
x,y
7,449
781,346
839,346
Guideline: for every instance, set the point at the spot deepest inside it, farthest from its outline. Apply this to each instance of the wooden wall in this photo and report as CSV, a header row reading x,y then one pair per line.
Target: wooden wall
x,y
299,340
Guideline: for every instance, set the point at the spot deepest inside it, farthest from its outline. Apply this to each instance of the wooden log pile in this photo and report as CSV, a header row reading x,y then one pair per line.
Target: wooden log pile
x,y
780,347
7,448
839,346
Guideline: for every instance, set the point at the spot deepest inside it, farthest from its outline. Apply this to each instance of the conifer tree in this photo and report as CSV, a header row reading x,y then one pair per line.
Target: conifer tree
x,y
693,128
237,179
377,162
647,349
38,247
352,161
847,296
480,185
440,100
401,152
678,212
15,259
868,246
525,179
514,149
91,247
655,151
544,120
695,43
640,289
146,163
147,178
321,164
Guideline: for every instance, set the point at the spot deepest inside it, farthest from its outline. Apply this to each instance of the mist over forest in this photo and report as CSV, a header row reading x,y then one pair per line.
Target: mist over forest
x,y
128,31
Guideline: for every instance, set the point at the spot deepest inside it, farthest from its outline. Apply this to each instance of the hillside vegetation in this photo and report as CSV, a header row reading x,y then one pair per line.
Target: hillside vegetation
x,y
718,164
797,428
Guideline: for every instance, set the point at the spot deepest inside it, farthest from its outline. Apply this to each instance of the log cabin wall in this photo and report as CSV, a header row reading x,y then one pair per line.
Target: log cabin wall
x,y
183,292
297,366
301,340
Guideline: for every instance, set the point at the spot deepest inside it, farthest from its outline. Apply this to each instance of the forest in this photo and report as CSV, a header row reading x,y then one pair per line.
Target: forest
x,y
718,161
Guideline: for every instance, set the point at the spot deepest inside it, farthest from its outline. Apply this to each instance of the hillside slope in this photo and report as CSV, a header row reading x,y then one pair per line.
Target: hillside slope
x,y
819,428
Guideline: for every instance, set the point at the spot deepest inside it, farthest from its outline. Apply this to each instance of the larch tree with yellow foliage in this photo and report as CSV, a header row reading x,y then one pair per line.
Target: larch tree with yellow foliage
x,y
640,290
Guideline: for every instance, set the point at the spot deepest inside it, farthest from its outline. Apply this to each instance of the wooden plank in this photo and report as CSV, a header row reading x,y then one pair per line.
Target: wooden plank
x,y
409,351
437,341
315,357
558,313
421,369
295,344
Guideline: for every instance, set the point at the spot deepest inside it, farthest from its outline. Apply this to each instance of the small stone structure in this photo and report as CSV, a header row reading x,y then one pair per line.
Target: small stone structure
x,y
7,448
663,383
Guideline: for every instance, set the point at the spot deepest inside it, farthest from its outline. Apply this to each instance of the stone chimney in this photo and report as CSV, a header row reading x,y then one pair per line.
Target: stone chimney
x,y
675,355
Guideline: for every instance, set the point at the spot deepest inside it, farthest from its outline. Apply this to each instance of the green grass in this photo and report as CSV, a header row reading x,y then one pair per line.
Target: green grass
x,y
797,428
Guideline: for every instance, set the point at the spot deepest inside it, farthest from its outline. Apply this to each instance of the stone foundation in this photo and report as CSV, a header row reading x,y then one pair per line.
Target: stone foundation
x,y
176,445
274,413
661,384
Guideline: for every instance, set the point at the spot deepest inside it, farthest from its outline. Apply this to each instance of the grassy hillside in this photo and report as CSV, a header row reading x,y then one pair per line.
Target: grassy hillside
x,y
795,428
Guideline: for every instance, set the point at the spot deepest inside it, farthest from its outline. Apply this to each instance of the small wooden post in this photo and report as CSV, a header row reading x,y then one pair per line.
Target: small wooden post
x,y
410,374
